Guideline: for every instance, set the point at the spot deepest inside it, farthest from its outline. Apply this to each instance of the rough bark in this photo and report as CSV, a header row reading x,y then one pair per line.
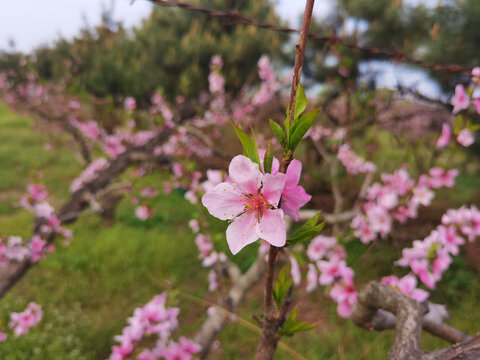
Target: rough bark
x,y
378,304
215,323
11,272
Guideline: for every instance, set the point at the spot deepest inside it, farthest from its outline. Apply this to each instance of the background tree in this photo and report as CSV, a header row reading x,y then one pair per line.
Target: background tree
x,y
169,52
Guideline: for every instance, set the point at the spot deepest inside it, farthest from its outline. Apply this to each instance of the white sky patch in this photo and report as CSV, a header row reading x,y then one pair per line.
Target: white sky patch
x,y
31,23
292,10
391,75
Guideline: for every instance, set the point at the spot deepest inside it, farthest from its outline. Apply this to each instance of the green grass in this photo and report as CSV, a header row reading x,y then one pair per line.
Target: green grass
x,y
89,288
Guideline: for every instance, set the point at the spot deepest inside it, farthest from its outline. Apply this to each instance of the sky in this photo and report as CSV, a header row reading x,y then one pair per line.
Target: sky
x,y
35,22
31,23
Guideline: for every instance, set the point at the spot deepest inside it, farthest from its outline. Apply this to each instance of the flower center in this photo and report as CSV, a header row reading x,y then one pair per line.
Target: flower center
x,y
256,203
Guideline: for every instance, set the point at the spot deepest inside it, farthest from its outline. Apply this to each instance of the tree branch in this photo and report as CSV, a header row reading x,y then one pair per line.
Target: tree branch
x,y
380,307
240,285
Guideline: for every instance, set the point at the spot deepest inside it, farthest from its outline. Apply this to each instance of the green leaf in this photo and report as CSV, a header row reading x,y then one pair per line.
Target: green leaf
x,y
286,123
268,159
300,102
278,131
282,285
244,139
301,127
293,326
300,106
249,145
254,156
458,124
307,230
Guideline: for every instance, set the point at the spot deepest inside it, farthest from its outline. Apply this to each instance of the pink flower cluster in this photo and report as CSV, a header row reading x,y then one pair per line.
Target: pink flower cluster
x,y
328,257
398,198
157,322
354,163
207,253
269,85
144,212
184,145
129,103
35,194
39,248
216,81
22,322
252,202
243,108
36,248
461,101
465,137
115,143
430,257
13,249
159,106
90,129
406,285
89,174
319,132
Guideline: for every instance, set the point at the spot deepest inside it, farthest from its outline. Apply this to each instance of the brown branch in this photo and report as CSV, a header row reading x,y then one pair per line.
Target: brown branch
x,y
11,272
467,350
409,314
380,307
65,124
273,318
299,56
235,17
241,283
432,323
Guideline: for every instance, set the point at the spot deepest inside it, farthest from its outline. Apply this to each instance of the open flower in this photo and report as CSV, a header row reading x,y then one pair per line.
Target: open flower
x,y
251,202
406,285
444,139
460,100
294,196
465,137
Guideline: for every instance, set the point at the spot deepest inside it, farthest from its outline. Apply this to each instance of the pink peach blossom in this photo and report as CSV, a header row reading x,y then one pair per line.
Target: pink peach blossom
x,y
312,278
406,285
439,177
465,138
444,139
460,100
251,201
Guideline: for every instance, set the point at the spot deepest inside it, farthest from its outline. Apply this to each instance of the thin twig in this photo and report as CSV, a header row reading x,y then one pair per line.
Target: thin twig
x,y
234,17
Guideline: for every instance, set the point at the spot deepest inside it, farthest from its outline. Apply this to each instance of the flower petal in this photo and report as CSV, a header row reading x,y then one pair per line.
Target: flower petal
x,y
294,171
419,295
245,174
407,284
224,202
272,189
293,199
241,232
271,228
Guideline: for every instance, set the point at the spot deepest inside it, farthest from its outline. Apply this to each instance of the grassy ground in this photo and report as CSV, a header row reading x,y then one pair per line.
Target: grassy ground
x,y
88,289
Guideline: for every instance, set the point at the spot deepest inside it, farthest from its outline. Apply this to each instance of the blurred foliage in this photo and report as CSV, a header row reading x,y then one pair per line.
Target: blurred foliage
x,y
170,51
443,34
